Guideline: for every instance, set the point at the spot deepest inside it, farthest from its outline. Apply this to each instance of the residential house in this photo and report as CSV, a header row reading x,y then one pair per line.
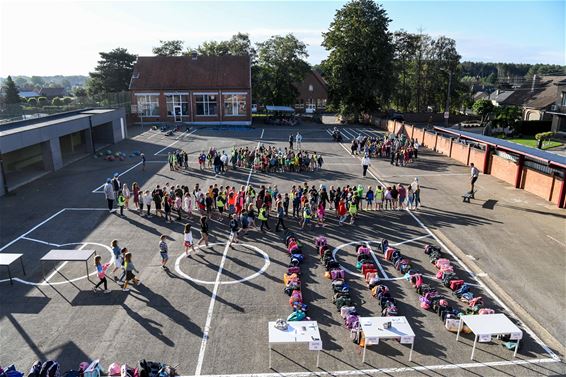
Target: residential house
x,y
498,97
192,89
558,110
51,93
313,93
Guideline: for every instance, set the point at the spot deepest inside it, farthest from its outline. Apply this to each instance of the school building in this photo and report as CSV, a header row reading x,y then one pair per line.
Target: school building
x,y
198,90
313,93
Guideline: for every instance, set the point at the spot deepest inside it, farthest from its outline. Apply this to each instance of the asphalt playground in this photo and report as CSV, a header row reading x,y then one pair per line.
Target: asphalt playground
x,y
208,314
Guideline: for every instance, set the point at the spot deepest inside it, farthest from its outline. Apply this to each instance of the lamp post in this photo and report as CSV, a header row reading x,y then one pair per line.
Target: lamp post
x,y
447,109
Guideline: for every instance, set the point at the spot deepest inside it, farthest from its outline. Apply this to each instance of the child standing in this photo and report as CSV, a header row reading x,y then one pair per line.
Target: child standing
x,y
320,212
188,239
234,230
203,231
369,199
379,197
129,268
117,257
164,251
127,194
101,270
388,199
121,202
147,199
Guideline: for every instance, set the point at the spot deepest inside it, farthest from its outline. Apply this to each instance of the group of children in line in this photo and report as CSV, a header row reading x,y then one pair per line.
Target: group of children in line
x,y
399,149
122,261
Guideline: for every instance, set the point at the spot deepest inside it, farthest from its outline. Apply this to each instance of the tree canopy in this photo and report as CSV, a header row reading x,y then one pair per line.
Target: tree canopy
x,y
483,108
359,65
169,48
280,65
113,72
238,45
12,97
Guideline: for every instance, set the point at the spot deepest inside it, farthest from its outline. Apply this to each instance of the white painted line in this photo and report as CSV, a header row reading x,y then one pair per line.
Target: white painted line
x,y
60,267
359,372
153,134
483,285
262,131
411,240
210,311
383,273
175,142
31,230
555,240
348,133
40,241
424,175
119,175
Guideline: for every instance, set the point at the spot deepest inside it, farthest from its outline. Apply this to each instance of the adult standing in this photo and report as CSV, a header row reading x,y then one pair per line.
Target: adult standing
x,y
143,161
365,164
299,140
416,192
116,185
109,194
291,139
474,172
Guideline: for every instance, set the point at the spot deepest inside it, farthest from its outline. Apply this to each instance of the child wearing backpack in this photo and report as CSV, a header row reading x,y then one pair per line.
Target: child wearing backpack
x,y
121,202
129,268
188,239
101,272
369,199
163,251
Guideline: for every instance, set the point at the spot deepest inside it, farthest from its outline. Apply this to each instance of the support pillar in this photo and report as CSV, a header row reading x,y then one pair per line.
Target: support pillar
x,y
52,157
435,141
450,151
562,191
469,152
519,173
486,159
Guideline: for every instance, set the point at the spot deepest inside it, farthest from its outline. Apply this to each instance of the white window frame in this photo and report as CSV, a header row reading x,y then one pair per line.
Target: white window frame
x,y
147,105
177,102
235,104
206,103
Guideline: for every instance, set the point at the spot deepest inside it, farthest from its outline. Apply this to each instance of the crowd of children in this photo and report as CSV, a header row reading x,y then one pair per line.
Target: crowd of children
x,y
400,150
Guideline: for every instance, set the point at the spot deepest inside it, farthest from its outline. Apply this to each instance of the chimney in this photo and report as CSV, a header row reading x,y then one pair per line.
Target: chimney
x,y
533,84
194,55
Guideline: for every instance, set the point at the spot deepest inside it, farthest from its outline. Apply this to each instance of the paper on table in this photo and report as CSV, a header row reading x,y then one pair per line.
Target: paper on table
x,y
484,338
372,340
516,336
407,339
315,345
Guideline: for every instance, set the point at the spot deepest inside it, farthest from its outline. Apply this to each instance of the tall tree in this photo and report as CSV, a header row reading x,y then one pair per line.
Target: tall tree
x,y
405,49
12,97
37,81
483,108
113,72
238,45
281,64
359,67
169,48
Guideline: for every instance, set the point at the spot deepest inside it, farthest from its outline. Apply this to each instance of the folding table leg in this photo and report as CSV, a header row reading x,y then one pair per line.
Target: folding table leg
x,y
10,275
364,354
474,347
516,348
22,263
270,356
460,325
317,357
411,353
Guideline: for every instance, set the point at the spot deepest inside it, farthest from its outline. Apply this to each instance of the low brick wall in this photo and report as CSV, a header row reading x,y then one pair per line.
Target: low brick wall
x,y
460,152
540,184
477,157
503,169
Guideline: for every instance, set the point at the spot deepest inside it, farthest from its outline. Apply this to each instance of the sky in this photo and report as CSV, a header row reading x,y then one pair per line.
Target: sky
x,y
64,37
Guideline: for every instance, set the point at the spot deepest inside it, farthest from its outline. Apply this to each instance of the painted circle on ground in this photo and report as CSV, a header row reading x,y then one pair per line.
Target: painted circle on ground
x,y
44,283
340,247
266,264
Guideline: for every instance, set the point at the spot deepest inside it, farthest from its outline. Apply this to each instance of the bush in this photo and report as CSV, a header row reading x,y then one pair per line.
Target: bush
x,y
32,101
67,100
57,101
544,135
42,101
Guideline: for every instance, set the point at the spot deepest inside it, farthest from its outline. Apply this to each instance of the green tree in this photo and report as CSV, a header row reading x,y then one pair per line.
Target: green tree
x,y
12,97
280,66
42,101
239,44
405,49
79,91
67,100
169,48
32,101
57,101
21,81
37,81
359,67
508,116
483,108
113,72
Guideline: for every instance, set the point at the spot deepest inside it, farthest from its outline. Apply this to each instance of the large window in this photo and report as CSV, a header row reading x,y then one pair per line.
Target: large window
x,y
235,105
563,102
321,103
148,105
177,105
206,104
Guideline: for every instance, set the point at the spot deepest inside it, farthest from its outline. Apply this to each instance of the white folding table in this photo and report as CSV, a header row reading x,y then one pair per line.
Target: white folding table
x,y
6,259
60,255
373,330
486,325
297,332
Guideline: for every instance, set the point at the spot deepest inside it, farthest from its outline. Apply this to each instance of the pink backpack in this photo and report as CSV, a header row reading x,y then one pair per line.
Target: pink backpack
x,y
442,261
113,369
486,311
337,274
363,250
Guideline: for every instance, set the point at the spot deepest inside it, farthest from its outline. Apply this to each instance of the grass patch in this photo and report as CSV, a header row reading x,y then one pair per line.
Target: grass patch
x,y
532,142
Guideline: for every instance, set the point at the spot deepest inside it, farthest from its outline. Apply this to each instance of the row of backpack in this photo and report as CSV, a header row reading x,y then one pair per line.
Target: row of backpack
x,y
379,291
292,278
52,368
429,298
340,288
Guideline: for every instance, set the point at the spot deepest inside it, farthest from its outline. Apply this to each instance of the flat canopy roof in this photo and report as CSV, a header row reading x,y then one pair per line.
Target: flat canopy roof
x,y
285,109
508,146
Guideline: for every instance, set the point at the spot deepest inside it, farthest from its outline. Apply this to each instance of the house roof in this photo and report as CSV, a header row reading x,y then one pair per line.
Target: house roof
x,y
500,96
52,92
543,95
28,94
480,95
184,72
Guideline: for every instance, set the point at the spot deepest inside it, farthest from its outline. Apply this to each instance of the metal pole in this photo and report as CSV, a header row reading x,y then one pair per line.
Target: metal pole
x,y
448,99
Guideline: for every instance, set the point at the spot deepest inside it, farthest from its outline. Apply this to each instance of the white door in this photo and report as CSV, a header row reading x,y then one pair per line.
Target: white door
x,y
178,113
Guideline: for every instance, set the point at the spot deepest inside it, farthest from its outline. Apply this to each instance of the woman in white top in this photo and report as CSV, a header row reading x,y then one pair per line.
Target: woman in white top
x,y
188,240
147,200
188,204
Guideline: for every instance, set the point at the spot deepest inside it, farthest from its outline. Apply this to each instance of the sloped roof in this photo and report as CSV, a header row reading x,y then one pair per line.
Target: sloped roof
x,y
52,92
184,72
543,95
500,97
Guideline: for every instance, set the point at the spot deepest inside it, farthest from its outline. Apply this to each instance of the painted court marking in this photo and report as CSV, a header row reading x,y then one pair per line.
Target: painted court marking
x,y
97,190
474,277
265,266
175,142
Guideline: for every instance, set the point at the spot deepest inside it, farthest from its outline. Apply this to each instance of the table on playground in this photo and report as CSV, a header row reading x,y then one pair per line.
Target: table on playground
x,y
6,259
374,330
60,255
487,325
296,332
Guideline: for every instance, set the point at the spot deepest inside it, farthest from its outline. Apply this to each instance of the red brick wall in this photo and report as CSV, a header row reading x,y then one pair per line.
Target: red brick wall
x,y
460,152
556,191
476,158
503,169
429,140
539,184
443,145
418,134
